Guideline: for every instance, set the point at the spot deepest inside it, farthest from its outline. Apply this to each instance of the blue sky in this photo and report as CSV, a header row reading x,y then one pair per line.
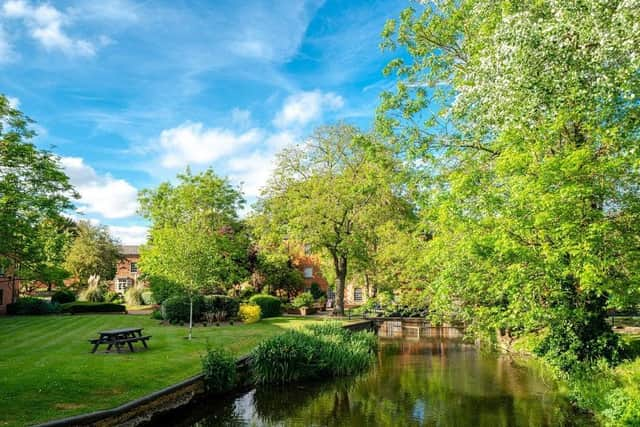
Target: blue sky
x,y
130,93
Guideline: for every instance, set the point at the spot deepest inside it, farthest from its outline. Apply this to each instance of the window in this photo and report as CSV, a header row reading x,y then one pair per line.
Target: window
x,y
122,284
307,249
134,267
1,296
357,295
1,270
308,272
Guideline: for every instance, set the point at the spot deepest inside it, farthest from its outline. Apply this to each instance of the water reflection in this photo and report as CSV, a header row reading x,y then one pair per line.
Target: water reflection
x,y
425,382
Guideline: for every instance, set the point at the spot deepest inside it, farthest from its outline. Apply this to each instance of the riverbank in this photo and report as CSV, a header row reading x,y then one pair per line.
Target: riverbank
x,y
612,394
47,370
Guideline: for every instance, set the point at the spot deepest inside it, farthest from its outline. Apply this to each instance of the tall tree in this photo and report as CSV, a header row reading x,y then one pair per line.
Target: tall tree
x,y
33,189
331,193
196,239
93,252
522,120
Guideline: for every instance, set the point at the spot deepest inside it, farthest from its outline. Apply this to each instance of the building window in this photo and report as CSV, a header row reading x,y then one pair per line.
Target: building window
x,y
357,295
1,296
1,270
134,267
122,284
307,249
308,272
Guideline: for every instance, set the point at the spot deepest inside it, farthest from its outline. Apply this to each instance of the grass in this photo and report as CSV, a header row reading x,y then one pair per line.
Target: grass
x,y
48,372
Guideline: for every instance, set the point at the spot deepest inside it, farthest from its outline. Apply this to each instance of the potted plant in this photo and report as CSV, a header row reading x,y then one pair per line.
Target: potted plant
x,y
302,302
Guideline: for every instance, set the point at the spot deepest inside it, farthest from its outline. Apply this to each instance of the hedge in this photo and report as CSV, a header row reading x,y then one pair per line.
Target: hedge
x,y
176,308
218,303
31,305
269,305
92,307
63,296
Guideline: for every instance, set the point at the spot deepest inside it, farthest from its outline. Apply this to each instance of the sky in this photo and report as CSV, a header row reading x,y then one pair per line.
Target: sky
x,y
129,94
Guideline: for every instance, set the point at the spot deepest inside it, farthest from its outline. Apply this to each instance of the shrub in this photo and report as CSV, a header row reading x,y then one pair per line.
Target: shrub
x,y
114,297
316,291
305,299
156,315
176,308
93,293
269,305
147,298
219,370
91,307
133,295
31,305
162,288
221,306
63,296
249,313
317,351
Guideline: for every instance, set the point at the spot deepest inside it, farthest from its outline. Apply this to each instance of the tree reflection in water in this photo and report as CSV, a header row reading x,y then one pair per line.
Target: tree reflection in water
x,y
424,382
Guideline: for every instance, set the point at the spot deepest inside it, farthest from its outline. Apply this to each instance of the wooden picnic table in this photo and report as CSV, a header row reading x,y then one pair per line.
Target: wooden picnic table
x,y
118,338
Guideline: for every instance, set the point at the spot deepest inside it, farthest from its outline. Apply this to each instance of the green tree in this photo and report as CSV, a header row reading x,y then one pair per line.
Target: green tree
x,y
93,251
331,193
196,239
33,190
276,273
521,120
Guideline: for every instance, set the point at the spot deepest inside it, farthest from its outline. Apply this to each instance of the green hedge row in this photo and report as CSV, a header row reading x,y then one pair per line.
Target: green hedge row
x,y
92,307
270,306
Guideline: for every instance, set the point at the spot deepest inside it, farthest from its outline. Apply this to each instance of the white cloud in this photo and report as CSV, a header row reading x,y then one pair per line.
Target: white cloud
x,y
7,53
192,143
46,25
13,102
252,171
129,235
241,117
304,107
104,195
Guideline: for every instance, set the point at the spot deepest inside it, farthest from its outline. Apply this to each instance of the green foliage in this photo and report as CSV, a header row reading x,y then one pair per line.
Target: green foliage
x,y
317,351
305,299
219,370
270,306
93,252
91,307
221,304
177,308
63,296
315,290
34,192
94,292
520,121
157,315
133,295
30,305
276,273
348,189
147,298
249,313
162,288
111,296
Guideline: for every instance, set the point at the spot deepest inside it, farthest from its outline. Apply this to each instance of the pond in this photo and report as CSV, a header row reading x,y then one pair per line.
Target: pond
x,y
427,379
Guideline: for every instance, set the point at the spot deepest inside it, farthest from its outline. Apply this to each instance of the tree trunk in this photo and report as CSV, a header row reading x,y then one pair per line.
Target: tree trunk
x,y
340,264
190,315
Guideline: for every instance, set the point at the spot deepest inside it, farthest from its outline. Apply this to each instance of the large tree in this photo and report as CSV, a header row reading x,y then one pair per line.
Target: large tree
x,y
332,192
33,190
196,239
522,119
93,252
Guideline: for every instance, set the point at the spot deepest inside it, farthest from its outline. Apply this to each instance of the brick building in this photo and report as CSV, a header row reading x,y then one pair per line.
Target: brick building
x,y
127,274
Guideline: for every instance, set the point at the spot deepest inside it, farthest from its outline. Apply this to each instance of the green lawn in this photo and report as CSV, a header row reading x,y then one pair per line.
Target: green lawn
x,y
48,372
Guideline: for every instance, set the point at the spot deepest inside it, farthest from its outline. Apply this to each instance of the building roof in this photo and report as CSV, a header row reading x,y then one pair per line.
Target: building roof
x,y
129,250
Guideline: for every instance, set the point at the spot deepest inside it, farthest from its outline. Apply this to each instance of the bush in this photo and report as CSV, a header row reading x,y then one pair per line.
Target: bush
x,y
156,315
63,296
317,351
219,370
91,307
269,305
114,297
31,305
316,291
221,304
162,288
133,295
147,298
305,299
249,313
176,308
93,293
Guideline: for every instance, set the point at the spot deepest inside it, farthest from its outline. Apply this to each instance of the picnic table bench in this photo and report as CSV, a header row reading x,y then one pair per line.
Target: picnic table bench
x,y
118,338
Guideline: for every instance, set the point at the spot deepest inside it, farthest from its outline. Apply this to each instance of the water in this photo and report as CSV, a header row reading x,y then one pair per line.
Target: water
x,y
420,381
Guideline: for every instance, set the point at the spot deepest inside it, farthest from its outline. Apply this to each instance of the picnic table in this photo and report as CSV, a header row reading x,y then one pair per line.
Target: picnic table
x,y
118,338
